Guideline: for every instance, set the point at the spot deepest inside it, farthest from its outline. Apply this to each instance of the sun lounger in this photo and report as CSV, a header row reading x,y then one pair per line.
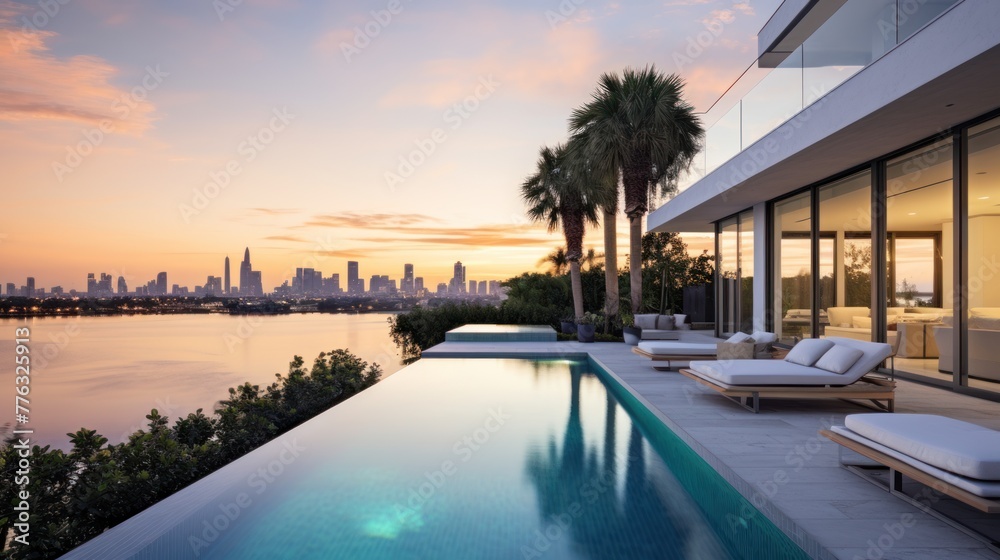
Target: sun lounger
x,y
956,458
805,373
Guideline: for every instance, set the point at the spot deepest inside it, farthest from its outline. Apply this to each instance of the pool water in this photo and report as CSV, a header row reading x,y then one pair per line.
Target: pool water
x,y
462,458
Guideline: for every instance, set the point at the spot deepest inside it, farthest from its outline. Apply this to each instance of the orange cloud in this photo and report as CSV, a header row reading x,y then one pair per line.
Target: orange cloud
x,y
34,85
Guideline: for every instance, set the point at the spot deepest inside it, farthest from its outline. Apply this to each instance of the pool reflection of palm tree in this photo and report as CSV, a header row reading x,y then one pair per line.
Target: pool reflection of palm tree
x,y
578,496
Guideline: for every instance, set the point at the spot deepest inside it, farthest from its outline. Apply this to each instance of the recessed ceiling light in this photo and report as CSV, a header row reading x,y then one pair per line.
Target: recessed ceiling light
x,y
912,214
984,198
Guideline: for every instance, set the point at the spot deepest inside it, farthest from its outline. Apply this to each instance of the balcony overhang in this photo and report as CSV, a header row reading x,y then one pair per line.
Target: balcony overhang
x,y
790,26
939,77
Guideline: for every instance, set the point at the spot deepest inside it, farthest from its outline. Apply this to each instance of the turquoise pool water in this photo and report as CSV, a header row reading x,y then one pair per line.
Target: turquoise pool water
x,y
463,458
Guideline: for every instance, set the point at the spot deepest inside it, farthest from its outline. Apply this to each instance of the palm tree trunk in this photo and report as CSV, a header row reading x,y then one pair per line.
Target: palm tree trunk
x,y
577,284
635,261
611,296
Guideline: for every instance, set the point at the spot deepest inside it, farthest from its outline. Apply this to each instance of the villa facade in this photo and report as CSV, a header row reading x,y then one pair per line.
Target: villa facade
x,y
852,180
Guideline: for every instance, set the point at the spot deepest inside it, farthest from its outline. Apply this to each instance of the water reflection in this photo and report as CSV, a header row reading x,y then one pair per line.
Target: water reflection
x,y
606,513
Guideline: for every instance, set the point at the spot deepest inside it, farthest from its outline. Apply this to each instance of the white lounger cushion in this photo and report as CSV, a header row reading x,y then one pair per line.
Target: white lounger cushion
x,y
766,372
677,348
948,444
780,372
986,489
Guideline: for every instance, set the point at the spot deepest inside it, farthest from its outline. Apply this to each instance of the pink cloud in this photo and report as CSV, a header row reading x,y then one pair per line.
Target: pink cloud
x,y
563,62
35,85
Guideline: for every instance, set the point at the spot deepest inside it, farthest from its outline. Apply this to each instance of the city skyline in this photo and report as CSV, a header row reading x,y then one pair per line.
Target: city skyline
x,y
108,284
232,143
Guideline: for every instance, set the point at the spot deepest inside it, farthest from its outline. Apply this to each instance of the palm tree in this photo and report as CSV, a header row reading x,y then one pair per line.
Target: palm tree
x,y
554,198
606,183
556,260
639,126
591,259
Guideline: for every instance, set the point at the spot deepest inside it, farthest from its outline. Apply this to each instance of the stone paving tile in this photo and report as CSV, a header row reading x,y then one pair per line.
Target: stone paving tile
x,y
824,507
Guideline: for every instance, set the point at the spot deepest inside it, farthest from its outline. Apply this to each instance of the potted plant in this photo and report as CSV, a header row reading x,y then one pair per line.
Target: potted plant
x,y
630,332
585,327
567,325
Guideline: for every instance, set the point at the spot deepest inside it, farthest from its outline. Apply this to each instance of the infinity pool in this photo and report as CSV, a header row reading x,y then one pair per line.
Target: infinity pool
x,y
463,458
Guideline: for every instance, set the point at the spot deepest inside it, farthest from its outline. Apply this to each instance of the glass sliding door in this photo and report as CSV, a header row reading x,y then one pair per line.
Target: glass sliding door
x,y
792,268
982,305
845,257
920,258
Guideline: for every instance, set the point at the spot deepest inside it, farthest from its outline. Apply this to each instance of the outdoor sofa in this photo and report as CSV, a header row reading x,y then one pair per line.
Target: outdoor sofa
x,y
696,346
957,458
813,369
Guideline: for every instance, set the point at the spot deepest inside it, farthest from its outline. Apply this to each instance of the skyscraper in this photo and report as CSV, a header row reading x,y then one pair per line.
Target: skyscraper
x,y
161,283
122,286
31,287
352,278
226,276
407,283
245,274
91,284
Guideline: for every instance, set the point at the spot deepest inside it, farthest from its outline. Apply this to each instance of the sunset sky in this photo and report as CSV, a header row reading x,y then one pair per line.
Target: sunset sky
x,y
140,137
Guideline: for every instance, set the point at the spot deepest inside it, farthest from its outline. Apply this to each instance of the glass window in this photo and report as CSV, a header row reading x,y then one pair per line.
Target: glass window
x,y
920,258
845,257
983,303
746,272
792,275
728,275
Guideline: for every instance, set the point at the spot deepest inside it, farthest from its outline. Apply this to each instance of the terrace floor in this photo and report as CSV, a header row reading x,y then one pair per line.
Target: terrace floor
x,y
779,462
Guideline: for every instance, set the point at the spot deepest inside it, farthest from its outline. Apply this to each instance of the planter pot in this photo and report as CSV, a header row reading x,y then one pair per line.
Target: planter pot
x,y
632,335
568,327
585,333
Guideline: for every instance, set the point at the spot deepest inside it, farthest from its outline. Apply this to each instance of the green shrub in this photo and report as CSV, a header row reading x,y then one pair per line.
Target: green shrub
x,y
77,495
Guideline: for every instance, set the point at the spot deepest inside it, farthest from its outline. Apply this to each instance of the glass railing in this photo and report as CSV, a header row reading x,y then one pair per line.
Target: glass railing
x,y
763,98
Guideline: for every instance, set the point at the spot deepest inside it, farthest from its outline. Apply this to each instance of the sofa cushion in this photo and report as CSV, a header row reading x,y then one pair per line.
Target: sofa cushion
x,y
739,337
948,444
861,322
874,354
646,321
766,372
677,348
665,322
841,316
679,319
839,359
764,337
807,351
984,313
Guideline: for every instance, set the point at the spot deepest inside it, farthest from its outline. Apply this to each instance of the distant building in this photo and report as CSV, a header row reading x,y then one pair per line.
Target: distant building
x,y
11,289
494,287
442,289
91,284
418,284
122,286
57,290
31,287
407,283
482,288
161,283
225,274
354,284
251,283
473,287
334,284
